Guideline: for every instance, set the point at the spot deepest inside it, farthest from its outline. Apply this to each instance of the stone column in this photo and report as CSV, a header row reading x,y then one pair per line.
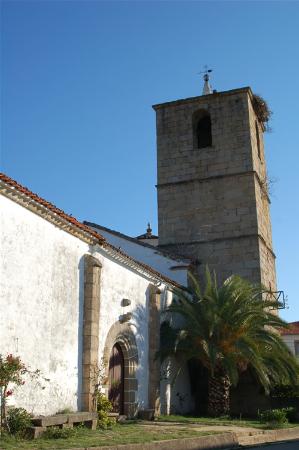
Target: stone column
x,y
153,347
91,312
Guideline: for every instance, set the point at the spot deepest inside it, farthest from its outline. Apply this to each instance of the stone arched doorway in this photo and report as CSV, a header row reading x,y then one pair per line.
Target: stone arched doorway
x,y
120,343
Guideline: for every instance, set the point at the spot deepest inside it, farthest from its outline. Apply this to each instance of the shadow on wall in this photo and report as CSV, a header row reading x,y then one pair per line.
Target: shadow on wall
x,y
140,325
199,379
188,393
177,396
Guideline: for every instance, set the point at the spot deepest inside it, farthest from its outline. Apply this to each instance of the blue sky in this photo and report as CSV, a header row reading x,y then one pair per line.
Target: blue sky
x,y
78,80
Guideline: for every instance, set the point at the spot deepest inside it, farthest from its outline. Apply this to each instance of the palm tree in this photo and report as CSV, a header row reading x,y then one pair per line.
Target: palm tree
x,y
227,329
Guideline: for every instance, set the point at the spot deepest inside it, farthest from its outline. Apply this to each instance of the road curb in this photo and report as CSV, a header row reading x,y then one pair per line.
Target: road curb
x,y
229,440
270,436
209,442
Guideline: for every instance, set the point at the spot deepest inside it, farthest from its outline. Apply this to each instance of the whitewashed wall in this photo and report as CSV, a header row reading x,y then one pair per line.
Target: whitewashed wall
x,y
176,397
42,303
171,268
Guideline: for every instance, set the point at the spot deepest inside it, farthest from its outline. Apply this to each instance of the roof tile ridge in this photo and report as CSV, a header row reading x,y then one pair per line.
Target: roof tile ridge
x,y
50,206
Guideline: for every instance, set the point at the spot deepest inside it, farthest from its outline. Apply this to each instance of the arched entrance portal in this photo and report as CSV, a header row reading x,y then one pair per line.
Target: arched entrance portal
x,y
116,379
121,351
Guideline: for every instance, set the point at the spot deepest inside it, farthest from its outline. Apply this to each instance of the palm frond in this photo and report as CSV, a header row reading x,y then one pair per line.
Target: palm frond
x,y
226,327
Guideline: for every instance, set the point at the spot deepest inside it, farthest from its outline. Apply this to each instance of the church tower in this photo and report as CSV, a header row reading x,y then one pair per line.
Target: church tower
x,y
213,200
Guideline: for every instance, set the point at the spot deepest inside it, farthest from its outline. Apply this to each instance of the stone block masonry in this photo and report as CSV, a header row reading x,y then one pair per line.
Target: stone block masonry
x,y
213,205
153,347
91,312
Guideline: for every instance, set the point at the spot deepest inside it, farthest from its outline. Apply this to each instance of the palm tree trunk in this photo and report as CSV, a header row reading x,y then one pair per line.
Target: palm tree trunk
x,y
219,396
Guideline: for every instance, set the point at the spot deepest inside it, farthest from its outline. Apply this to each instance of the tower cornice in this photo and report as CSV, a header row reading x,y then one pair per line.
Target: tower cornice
x,y
203,98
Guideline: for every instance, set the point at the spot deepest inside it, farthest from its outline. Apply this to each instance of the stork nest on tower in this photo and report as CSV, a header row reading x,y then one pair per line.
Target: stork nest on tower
x,y
262,110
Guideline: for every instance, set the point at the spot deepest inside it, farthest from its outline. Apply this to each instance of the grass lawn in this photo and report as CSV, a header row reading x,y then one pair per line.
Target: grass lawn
x,y
119,434
222,421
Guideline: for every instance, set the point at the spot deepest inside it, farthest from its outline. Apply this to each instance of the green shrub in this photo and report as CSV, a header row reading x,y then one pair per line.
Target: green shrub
x,y
58,433
279,416
274,416
18,420
291,413
104,406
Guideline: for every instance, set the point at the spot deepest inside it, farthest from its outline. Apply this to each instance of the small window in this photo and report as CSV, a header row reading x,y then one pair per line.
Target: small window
x,y
258,143
296,345
202,129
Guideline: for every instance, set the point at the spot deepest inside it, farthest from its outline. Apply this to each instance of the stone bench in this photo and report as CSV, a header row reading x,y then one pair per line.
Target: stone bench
x,y
41,423
121,418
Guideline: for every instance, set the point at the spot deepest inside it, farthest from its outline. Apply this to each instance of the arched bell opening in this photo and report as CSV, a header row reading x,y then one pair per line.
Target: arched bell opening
x,y
202,129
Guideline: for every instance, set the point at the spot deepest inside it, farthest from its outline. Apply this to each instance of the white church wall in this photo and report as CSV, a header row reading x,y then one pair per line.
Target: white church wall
x,y
41,306
42,294
182,401
150,256
176,397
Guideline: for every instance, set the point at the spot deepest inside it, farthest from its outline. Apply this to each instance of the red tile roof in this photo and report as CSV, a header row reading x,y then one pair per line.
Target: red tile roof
x,y
72,220
293,328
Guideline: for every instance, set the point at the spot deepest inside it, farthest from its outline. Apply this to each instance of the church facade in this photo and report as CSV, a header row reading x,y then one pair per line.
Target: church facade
x,y
78,308
80,301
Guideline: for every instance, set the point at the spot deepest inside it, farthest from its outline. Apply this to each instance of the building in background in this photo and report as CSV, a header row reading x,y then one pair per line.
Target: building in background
x,y
291,337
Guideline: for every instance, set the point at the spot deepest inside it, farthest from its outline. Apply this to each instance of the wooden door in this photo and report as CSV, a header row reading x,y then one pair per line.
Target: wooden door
x,y
116,379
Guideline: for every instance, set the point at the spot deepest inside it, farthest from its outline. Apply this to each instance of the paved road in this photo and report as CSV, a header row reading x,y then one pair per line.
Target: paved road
x,y
285,446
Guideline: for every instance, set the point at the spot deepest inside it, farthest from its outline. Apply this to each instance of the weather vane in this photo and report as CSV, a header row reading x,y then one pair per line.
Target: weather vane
x,y
207,89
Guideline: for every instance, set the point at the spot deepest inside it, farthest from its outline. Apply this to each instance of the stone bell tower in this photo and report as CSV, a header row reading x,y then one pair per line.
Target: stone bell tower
x,y
213,201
